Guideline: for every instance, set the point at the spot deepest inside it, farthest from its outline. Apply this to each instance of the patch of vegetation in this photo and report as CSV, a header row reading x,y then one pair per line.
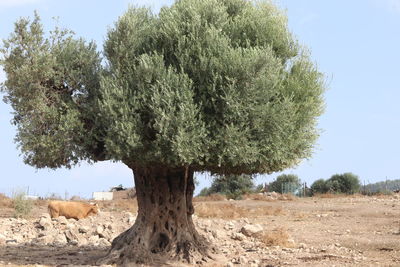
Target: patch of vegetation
x,y
22,205
284,181
118,205
346,183
212,197
384,187
319,186
232,211
232,186
277,237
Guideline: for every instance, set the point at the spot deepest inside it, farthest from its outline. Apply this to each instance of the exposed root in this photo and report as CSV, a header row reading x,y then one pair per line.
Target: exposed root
x,y
182,252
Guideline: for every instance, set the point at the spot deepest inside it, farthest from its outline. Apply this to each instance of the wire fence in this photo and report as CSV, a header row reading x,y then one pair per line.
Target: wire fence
x,y
296,189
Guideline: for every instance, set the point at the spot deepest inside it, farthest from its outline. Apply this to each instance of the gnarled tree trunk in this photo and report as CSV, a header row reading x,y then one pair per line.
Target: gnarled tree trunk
x,y
164,229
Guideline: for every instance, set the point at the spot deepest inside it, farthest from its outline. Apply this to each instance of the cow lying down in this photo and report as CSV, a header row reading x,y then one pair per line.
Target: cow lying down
x,y
69,209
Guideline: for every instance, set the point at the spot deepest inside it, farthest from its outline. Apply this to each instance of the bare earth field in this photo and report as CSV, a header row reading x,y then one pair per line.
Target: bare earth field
x,y
318,231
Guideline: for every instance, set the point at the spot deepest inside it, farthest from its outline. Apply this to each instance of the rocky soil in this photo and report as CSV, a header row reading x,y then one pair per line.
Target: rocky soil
x,y
361,231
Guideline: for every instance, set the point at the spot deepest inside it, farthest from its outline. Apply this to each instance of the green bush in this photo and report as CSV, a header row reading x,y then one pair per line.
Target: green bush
x,y
347,183
22,206
233,186
319,186
283,179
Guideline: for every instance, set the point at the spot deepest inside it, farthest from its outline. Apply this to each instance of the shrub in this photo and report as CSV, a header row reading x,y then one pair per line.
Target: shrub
x,y
233,186
347,183
277,237
319,187
22,206
283,179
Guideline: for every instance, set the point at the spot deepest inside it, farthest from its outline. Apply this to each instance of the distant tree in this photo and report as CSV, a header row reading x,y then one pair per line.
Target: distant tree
x,y
319,186
211,85
347,183
334,186
284,179
233,186
383,186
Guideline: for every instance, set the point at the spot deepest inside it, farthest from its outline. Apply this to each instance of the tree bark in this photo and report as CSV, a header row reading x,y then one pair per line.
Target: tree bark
x,y
164,230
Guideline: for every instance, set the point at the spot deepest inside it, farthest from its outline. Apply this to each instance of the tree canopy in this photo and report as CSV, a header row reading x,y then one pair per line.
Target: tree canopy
x,y
283,179
219,86
347,183
233,186
319,186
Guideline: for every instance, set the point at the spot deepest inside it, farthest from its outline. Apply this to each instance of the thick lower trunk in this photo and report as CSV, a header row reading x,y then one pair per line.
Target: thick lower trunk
x,y
164,229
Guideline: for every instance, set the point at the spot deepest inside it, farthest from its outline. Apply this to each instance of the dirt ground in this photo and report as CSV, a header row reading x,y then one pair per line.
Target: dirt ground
x,y
328,231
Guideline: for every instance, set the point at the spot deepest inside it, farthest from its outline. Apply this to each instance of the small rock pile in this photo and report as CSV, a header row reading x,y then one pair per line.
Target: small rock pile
x,y
99,230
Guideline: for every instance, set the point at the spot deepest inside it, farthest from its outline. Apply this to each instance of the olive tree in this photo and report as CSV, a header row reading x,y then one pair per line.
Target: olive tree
x,y
213,85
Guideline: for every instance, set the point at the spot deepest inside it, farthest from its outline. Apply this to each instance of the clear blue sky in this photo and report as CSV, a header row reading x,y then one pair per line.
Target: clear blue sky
x,y
355,43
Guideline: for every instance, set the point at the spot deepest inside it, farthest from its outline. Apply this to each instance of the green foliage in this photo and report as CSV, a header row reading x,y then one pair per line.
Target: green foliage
x,y
382,187
219,86
22,206
49,85
319,186
233,186
347,183
283,179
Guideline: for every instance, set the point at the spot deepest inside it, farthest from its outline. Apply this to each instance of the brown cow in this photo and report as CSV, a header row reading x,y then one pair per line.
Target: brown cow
x,y
69,209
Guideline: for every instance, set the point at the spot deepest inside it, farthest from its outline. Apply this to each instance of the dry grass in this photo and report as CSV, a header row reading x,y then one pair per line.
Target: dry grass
x,y
276,237
5,202
287,197
266,211
232,211
260,197
118,205
224,211
341,195
213,197
329,195
41,203
383,195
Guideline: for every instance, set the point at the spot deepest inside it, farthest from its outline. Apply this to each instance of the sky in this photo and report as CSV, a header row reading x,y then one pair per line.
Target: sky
x,y
354,43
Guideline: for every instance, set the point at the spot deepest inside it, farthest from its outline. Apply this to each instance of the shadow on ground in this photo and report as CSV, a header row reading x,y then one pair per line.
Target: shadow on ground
x,y
49,255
